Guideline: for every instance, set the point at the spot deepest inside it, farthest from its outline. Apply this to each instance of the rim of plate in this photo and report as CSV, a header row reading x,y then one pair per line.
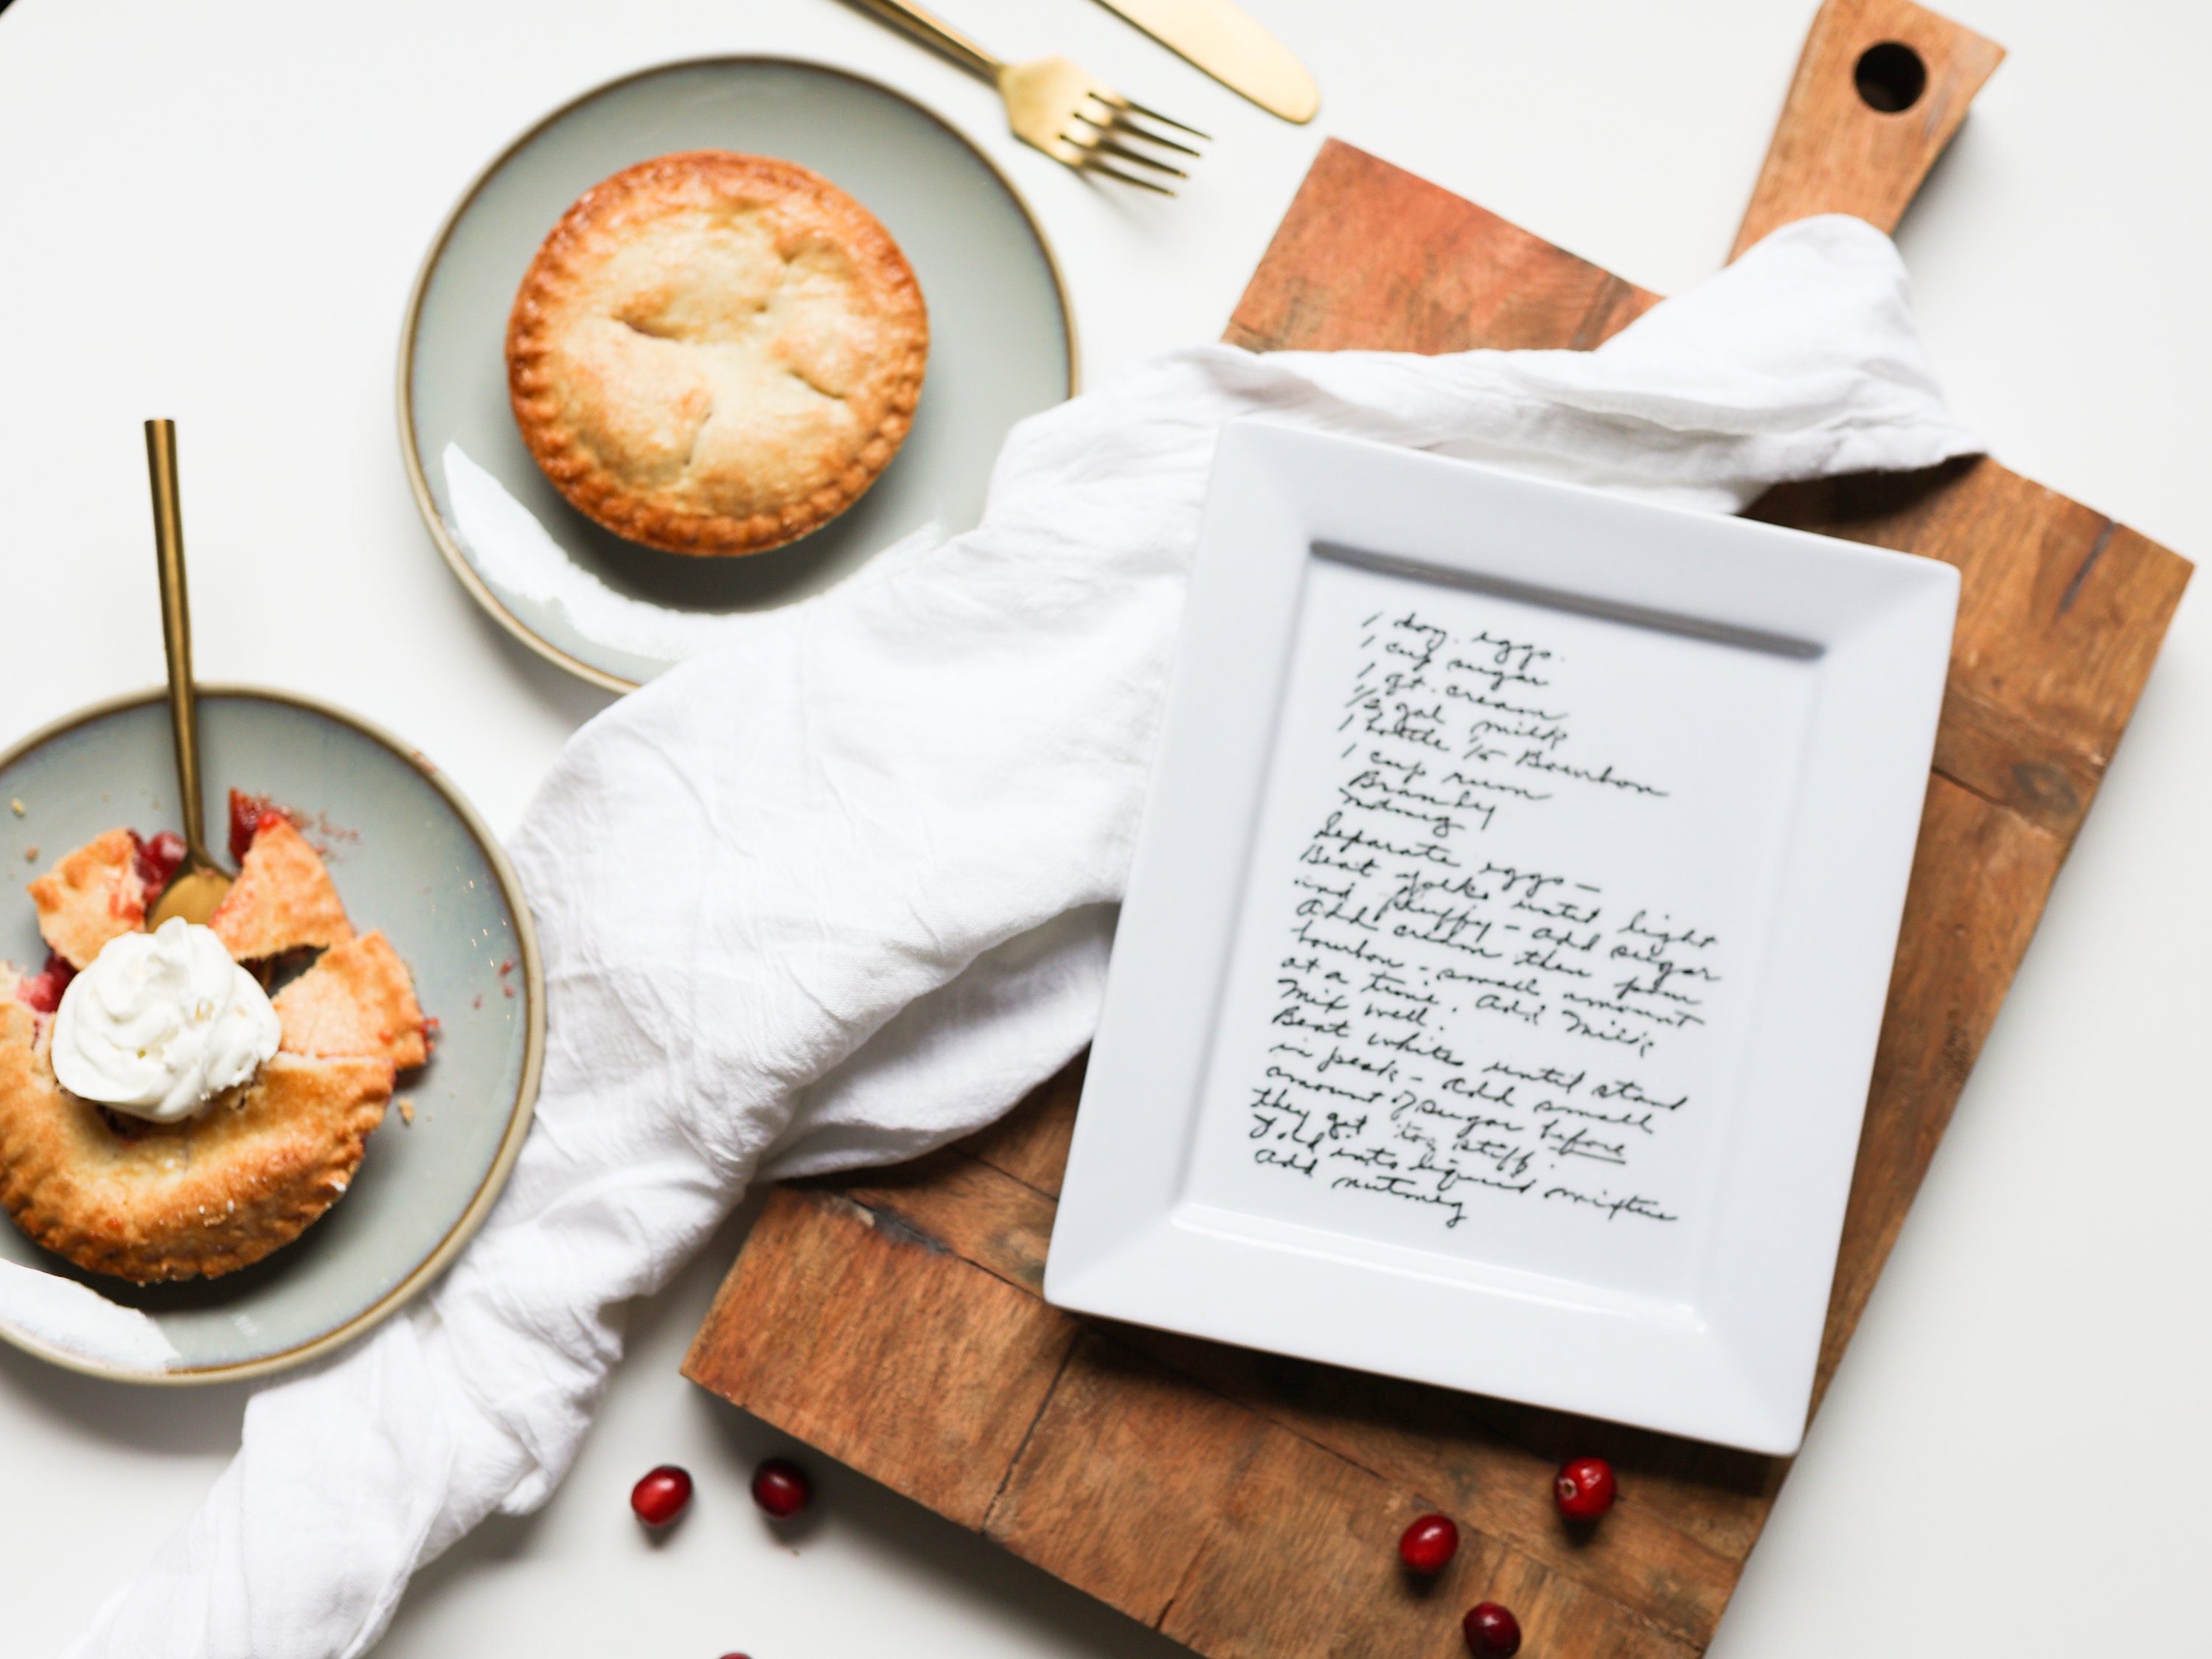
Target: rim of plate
x,y
525,1093
409,453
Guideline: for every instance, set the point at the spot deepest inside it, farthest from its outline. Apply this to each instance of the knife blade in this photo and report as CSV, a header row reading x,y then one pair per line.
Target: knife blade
x,y
1228,45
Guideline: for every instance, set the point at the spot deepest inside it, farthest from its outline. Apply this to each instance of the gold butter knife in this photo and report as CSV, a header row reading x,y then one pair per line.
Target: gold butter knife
x,y
1225,42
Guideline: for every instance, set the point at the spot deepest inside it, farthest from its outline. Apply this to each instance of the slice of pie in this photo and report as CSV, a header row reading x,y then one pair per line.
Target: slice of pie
x,y
283,898
356,999
715,353
91,896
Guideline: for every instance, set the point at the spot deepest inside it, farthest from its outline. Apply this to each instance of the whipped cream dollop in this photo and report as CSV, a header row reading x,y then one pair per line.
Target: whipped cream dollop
x,y
160,1023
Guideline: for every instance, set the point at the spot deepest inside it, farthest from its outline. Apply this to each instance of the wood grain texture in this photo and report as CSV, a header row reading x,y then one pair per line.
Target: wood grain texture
x,y
1246,1504
1981,874
1031,1145
927,1380
1368,252
1101,1500
1833,150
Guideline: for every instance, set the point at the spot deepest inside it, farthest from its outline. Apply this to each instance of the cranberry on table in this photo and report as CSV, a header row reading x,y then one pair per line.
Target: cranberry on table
x,y
781,1487
1492,1631
1429,1543
1584,1487
660,1496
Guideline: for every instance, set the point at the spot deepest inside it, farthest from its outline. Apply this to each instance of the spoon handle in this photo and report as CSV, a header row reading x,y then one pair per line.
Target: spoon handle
x,y
177,627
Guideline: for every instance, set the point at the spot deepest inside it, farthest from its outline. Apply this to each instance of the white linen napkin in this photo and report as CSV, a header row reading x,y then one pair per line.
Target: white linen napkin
x,y
842,890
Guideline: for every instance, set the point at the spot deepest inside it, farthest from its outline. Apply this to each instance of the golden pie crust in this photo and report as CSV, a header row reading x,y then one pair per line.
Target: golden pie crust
x,y
283,898
150,1202
356,999
714,353
91,896
154,1201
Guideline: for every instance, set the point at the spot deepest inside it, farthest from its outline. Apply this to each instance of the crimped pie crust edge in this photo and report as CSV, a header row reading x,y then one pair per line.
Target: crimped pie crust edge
x,y
591,488
303,1127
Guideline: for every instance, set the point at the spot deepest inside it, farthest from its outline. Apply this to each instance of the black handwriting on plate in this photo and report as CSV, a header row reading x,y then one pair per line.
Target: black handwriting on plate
x,y
1426,991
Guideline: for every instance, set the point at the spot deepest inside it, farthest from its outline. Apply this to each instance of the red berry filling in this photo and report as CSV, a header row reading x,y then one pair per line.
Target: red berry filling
x,y
1492,1631
781,1488
1583,1488
246,812
1427,1545
42,991
158,859
660,1496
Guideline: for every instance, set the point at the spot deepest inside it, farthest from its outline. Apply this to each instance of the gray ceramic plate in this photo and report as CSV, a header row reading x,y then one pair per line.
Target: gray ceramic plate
x,y
1001,342
409,856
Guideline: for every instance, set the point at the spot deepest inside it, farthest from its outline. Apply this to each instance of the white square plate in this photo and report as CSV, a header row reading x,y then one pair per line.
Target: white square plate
x,y
1497,991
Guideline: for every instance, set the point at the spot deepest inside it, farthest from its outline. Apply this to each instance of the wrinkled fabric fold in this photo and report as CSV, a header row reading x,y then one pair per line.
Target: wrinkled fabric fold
x,y
844,890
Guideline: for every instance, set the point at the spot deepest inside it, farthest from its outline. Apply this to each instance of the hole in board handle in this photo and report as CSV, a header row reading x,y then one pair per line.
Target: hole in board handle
x,y
1890,77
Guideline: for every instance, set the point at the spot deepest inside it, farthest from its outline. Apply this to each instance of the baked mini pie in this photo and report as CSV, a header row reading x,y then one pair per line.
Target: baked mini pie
x,y
150,1202
714,353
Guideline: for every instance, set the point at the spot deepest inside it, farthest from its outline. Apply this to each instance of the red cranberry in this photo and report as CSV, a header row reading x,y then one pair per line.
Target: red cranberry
x,y
1492,1631
1584,1488
781,1488
660,1496
42,991
1429,1543
158,858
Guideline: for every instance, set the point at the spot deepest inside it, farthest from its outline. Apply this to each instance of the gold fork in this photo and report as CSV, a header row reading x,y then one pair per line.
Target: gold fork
x,y
1060,108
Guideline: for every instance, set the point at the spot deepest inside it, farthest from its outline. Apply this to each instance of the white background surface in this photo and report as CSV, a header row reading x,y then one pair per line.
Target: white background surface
x,y
214,212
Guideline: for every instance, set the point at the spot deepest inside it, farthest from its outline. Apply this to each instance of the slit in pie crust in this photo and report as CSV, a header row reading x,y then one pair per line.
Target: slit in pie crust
x,y
715,353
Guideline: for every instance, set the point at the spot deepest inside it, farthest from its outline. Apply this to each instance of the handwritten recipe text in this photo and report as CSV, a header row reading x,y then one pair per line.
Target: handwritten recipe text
x,y
1453,1026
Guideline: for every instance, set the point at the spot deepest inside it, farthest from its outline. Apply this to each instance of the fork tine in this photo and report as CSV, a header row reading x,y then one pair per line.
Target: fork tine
x,y
1153,114
1113,147
1121,123
1117,120
1091,164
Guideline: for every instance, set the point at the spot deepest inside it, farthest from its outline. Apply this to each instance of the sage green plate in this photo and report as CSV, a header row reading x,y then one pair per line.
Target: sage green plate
x,y
1000,340
410,856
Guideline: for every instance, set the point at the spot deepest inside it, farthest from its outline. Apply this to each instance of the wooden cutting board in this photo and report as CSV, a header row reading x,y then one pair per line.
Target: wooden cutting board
x,y
1246,1504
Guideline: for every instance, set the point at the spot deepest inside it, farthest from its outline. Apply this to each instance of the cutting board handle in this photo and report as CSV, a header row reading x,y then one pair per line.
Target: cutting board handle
x,y
1881,86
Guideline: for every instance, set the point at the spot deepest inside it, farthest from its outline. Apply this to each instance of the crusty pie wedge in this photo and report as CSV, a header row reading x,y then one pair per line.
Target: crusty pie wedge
x,y
283,898
356,999
91,896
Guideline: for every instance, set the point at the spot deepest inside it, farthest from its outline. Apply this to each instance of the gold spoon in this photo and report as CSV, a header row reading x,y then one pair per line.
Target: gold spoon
x,y
199,886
